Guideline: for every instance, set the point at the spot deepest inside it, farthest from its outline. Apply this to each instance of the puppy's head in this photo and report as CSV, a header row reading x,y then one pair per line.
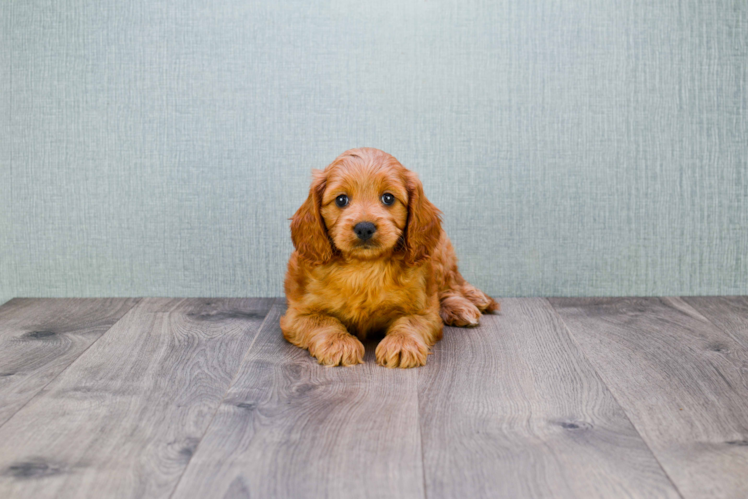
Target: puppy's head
x,y
365,205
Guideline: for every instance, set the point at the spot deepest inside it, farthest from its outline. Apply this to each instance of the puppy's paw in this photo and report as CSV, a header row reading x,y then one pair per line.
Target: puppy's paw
x,y
482,301
401,350
337,348
459,311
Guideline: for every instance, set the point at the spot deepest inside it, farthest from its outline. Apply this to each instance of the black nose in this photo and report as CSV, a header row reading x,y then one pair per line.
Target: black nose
x,y
365,230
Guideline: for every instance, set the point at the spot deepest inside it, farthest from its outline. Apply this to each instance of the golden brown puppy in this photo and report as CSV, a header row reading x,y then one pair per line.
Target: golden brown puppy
x,y
371,255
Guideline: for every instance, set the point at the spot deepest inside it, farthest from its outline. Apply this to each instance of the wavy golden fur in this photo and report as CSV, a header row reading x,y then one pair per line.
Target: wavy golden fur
x,y
401,280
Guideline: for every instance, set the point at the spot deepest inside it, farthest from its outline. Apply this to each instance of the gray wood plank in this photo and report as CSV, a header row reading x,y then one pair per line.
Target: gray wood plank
x,y
682,381
730,314
292,428
39,338
125,417
513,409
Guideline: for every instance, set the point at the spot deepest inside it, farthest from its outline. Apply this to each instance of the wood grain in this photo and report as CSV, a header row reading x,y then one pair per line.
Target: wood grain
x,y
124,419
292,428
39,338
513,409
730,314
682,381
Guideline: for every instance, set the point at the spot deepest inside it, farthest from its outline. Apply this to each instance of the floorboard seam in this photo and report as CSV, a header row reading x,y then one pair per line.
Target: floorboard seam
x,y
228,388
721,329
613,395
137,301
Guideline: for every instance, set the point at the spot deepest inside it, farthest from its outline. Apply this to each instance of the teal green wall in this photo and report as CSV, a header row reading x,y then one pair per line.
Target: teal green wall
x,y
576,148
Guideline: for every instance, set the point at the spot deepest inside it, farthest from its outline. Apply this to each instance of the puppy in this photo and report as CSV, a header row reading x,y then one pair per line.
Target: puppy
x,y
371,255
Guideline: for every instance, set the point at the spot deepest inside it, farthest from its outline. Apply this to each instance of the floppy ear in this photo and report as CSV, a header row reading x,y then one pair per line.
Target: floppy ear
x,y
308,231
424,226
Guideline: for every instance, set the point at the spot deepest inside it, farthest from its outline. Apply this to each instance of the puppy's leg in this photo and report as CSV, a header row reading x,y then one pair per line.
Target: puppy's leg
x,y
461,303
408,339
325,337
480,299
457,310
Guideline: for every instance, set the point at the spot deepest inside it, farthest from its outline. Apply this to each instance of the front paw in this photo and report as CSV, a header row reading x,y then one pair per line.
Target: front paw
x,y
401,350
337,348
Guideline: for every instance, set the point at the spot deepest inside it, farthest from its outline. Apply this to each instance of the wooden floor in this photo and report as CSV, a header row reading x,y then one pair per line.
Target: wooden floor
x,y
632,397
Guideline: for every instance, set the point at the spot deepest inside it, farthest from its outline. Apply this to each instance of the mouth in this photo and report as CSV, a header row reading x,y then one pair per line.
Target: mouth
x,y
366,250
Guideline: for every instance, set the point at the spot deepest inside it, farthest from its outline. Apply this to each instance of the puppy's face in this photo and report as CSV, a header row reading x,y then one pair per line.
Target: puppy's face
x,y
364,208
365,205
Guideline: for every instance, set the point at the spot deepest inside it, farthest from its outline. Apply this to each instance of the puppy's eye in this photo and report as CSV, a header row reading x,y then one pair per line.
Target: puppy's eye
x,y
388,199
341,200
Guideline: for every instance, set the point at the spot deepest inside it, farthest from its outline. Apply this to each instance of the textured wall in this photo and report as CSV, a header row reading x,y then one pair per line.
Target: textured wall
x,y
576,148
